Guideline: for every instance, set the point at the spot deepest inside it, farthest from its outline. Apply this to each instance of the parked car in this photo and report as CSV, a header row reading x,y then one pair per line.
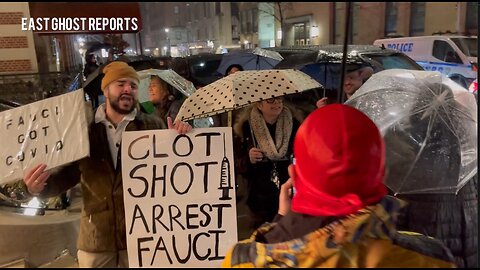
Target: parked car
x,y
323,63
200,69
455,56
7,105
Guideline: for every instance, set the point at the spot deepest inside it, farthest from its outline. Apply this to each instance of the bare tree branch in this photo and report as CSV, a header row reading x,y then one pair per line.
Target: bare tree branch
x,y
266,12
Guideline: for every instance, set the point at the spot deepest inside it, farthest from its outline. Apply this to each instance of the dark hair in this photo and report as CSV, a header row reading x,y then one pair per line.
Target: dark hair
x,y
170,89
239,67
90,56
403,148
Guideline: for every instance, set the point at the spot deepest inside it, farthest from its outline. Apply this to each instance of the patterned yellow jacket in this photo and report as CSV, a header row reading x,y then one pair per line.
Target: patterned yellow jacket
x,y
367,238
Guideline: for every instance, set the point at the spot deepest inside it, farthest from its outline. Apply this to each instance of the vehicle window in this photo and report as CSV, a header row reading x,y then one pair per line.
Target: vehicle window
x,y
392,61
444,52
180,66
469,46
205,68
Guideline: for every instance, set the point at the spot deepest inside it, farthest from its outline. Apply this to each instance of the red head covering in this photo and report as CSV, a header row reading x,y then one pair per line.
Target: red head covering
x,y
339,162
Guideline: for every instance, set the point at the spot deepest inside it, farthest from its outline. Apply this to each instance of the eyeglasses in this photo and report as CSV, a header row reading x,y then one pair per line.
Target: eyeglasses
x,y
272,100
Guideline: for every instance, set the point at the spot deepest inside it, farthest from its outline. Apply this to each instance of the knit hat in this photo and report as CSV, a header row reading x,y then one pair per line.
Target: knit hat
x,y
117,70
339,162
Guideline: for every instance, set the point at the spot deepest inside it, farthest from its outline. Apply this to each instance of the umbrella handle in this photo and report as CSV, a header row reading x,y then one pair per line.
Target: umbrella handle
x,y
251,134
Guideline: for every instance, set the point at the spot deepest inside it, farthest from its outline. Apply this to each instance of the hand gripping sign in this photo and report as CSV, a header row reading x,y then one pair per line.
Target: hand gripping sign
x,y
179,196
53,131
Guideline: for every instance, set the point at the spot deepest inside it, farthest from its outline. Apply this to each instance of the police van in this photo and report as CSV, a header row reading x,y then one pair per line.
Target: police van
x,y
454,56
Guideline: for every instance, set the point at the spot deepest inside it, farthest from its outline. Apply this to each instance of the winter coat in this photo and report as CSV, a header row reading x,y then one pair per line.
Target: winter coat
x,y
263,194
453,219
367,238
89,69
102,223
170,109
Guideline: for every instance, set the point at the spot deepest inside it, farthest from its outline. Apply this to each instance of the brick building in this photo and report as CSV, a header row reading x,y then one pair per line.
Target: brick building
x,y
17,49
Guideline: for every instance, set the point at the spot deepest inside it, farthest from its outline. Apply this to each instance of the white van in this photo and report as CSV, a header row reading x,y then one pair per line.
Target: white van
x,y
454,56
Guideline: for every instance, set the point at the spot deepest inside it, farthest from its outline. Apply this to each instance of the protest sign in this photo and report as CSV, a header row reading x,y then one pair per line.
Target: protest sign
x,y
53,131
179,193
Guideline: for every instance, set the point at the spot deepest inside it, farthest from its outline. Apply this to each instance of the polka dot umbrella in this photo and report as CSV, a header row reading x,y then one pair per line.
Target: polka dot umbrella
x,y
243,88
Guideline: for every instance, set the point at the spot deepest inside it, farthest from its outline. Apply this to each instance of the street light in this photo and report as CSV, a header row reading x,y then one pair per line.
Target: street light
x,y
168,41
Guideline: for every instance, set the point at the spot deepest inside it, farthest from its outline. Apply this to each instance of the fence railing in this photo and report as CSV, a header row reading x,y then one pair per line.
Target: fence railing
x,y
30,87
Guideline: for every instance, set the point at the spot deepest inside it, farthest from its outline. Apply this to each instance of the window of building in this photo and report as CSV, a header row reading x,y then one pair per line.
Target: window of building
x,y
205,9
417,19
471,23
218,8
255,20
175,9
301,32
444,52
197,11
249,21
53,47
354,21
391,11
178,35
340,22
189,13
243,21
339,19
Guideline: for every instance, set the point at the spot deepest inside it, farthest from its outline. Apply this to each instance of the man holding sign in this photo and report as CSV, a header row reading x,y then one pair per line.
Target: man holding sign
x,y
102,238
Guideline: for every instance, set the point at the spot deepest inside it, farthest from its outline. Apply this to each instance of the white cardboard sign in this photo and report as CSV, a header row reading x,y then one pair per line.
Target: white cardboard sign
x,y
179,193
53,131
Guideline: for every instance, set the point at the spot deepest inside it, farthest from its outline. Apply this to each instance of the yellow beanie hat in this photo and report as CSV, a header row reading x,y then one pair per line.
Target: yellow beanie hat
x,y
117,70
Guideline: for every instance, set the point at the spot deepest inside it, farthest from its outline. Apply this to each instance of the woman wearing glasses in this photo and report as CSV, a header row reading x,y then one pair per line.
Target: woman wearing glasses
x,y
265,133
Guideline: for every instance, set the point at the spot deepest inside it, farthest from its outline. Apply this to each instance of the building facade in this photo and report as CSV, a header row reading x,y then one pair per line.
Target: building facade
x,y
17,47
185,28
315,23
36,63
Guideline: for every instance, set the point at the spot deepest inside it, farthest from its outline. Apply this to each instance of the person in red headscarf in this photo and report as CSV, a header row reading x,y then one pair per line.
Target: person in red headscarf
x,y
340,213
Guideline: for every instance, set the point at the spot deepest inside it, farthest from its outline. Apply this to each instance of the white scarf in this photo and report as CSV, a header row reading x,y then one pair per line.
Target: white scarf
x,y
283,131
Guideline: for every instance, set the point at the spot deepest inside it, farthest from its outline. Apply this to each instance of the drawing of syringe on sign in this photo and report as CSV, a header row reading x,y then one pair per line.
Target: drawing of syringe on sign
x,y
225,180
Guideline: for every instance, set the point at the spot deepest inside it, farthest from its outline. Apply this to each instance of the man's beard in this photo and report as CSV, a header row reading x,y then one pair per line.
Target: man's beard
x,y
116,107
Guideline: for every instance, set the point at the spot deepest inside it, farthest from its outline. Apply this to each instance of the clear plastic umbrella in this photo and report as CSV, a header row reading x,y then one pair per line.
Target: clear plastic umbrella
x,y
243,88
267,53
169,76
429,124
